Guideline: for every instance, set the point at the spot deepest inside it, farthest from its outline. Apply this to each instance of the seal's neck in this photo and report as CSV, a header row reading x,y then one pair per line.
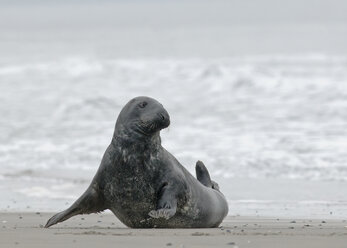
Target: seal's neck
x,y
130,140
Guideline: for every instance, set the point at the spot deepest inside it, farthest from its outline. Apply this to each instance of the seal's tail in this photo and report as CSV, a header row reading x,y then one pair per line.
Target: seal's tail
x,y
89,202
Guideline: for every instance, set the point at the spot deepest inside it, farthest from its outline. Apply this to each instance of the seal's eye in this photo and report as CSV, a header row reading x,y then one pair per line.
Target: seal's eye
x,y
142,104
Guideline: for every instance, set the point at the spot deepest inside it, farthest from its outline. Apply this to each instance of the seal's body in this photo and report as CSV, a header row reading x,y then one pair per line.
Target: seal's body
x,y
143,184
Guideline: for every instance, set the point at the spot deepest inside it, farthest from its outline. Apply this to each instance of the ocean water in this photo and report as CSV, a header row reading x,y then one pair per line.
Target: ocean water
x,y
260,121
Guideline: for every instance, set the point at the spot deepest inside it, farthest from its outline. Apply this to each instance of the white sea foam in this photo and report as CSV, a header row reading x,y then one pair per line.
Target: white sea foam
x,y
252,117
259,117
43,192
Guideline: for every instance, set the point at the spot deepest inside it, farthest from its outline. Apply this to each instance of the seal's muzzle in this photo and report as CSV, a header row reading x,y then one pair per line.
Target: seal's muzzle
x,y
164,119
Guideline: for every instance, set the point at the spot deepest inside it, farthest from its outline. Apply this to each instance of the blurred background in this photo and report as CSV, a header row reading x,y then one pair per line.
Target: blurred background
x,y
257,89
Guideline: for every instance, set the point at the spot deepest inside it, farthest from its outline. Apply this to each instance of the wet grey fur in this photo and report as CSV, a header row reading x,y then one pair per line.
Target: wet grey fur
x,y
143,184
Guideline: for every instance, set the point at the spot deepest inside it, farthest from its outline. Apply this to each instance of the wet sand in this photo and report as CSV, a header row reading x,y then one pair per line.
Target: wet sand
x,y
104,230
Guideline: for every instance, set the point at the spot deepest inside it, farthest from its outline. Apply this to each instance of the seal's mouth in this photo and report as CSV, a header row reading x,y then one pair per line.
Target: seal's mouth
x,y
152,125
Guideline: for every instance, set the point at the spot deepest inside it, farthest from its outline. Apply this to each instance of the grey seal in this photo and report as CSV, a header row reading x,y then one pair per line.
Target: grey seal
x,y
143,184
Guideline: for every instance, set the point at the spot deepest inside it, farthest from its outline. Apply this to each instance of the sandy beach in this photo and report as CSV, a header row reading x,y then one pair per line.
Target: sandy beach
x,y
104,230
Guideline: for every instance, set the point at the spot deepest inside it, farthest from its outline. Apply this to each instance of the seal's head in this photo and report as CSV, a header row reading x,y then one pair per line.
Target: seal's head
x,y
143,116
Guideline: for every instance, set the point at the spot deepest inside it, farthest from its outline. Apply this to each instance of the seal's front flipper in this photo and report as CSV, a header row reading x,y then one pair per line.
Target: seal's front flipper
x,y
167,203
162,213
89,202
202,174
59,217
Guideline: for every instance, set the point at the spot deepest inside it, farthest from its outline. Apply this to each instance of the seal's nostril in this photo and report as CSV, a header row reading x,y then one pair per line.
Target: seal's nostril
x,y
162,116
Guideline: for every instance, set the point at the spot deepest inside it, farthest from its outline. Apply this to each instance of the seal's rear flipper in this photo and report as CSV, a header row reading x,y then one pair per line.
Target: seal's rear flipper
x,y
215,185
89,202
202,174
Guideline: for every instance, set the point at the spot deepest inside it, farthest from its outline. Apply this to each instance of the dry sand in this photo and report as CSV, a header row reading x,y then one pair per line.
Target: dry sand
x,y
104,230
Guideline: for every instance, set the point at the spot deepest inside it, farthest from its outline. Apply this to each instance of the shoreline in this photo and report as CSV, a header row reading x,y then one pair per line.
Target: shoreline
x,y
246,196
105,230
